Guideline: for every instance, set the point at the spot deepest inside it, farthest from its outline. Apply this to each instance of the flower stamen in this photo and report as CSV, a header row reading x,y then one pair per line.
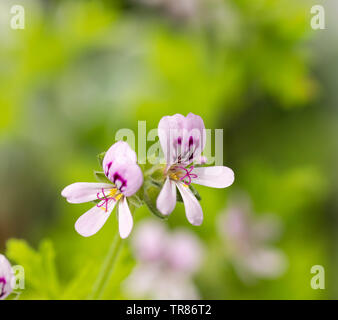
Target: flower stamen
x,y
188,175
111,196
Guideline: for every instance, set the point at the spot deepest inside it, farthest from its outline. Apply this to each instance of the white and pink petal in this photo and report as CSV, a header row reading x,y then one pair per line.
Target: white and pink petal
x,y
215,177
94,219
166,200
193,208
81,192
125,218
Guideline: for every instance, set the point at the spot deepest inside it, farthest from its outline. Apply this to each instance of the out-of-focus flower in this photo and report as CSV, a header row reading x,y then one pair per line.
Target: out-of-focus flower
x,y
183,140
247,240
166,263
6,277
120,167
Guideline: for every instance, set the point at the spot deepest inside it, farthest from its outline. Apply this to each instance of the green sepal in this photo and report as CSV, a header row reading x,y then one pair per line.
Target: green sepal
x,y
100,157
100,176
151,192
195,192
135,201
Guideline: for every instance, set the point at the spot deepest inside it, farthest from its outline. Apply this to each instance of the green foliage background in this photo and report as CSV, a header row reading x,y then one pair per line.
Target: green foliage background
x,y
81,70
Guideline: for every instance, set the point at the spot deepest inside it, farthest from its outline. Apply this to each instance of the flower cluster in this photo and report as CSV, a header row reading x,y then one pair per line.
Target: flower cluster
x,y
182,140
248,243
167,262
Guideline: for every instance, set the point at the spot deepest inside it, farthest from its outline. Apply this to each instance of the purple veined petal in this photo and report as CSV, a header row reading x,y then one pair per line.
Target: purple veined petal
x,y
6,277
80,192
120,152
127,177
197,136
193,209
94,219
215,177
166,200
125,219
182,138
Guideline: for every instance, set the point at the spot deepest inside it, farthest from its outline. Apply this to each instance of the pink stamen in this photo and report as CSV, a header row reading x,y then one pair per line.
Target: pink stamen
x,y
188,175
105,199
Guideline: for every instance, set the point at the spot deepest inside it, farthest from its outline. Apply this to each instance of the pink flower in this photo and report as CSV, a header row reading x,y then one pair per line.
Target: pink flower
x,y
183,140
121,168
167,262
248,243
6,277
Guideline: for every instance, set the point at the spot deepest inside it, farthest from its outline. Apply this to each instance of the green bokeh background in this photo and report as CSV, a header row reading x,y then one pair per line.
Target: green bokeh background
x,y
81,70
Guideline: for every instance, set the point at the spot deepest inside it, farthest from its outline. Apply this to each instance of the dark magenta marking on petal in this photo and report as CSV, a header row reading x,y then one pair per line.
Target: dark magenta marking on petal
x,y
2,286
191,141
118,177
179,140
108,166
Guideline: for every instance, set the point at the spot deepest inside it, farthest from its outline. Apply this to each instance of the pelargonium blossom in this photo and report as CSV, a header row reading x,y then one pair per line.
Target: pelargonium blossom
x,y
166,262
6,277
121,168
248,239
182,140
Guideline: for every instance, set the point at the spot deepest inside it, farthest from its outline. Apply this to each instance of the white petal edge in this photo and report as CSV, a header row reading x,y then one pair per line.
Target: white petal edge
x,y
215,177
93,220
81,192
166,200
193,209
125,219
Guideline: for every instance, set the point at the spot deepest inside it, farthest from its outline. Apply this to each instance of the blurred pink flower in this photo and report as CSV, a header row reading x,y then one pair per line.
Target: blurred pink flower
x,y
247,240
6,277
167,262
183,140
121,168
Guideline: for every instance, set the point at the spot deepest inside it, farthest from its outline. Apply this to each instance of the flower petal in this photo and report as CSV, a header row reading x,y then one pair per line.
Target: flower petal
x,y
6,277
120,167
125,219
94,219
182,138
127,177
166,201
216,177
119,151
80,192
193,209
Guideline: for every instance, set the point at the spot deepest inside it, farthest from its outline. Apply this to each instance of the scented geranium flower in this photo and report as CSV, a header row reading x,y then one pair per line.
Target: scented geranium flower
x,y
120,167
183,140
166,263
248,243
6,277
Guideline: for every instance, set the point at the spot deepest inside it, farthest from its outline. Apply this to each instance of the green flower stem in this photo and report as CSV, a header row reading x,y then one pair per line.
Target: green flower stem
x,y
106,270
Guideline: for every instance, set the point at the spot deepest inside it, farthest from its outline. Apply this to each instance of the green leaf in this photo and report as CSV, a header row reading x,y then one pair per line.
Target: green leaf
x,y
100,157
100,176
39,266
81,284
